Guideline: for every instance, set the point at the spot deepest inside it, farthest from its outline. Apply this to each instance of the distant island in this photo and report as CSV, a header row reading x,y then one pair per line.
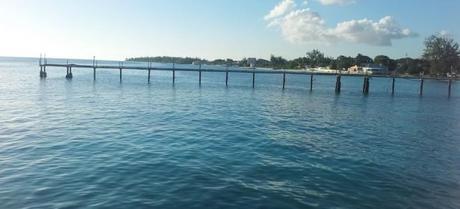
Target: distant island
x,y
440,58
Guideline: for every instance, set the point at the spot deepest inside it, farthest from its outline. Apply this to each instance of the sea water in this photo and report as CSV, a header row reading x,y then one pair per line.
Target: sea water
x,y
104,144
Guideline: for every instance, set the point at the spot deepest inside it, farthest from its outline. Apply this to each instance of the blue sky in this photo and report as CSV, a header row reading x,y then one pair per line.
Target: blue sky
x,y
115,29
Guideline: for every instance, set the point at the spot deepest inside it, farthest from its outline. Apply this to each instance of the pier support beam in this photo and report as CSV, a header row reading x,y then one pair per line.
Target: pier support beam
x,y
450,87
121,74
284,80
69,73
226,78
338,84
94,73
174,76
42,72
199,77
253,79
366,85
311,82
393,86
421,84
148,79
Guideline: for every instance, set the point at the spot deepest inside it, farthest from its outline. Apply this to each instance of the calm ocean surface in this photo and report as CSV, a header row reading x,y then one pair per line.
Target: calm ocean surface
x,y
85,144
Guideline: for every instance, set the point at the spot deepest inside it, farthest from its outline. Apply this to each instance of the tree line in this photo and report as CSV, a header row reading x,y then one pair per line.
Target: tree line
x,y
440,56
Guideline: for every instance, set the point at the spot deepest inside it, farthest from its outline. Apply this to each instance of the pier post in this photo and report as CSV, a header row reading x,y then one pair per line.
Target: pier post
x,y
174,74
94,67
253,79
121,74
450,87
366,85
311,82
338,84
69,73
421,83
199,76
284,79
393,85
226,78
148,79
42,72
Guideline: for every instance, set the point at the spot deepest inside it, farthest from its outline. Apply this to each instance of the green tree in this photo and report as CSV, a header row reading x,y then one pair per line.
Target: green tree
x,y
386,61
344,62
362,60
316,58
278,62
442,53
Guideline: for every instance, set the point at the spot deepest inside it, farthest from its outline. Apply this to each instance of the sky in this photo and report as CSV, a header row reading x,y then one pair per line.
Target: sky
x,y
211,29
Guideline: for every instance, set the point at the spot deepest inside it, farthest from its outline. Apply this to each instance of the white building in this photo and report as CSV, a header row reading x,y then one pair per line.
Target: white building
x,y
368,69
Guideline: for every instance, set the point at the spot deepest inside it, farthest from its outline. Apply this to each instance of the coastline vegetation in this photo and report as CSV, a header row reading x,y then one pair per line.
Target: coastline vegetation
x,y
441,55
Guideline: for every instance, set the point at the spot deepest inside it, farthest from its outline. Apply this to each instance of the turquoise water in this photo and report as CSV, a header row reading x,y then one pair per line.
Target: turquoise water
x,y
106,144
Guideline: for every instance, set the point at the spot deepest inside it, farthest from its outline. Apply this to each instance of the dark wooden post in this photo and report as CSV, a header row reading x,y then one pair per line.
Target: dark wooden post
x,y
311,82
421,83
393,85
121,74
338,84
174,74
366,85
199,76
226,78
69,72
148,79
253,79
450,87
94,68
284,79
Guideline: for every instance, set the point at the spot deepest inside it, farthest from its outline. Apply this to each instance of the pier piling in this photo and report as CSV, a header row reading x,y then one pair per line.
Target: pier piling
x,y
311,82
69,73
421,84
94,73
226,78
148,79
121,74
450,87
366,85
284,79
393,85
338,84
253,79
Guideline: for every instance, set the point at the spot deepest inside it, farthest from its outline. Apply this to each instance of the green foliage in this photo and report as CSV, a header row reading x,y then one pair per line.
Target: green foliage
x,y
278,62
440,56
386,61
362,60
344,62
442,53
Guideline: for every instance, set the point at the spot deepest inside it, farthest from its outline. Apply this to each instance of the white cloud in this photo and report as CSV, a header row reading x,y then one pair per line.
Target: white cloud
x,y
303,25
379,33
281,9
336,2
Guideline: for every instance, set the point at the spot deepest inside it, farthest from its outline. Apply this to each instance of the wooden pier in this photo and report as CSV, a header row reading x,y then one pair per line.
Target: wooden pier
x,y
338,85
